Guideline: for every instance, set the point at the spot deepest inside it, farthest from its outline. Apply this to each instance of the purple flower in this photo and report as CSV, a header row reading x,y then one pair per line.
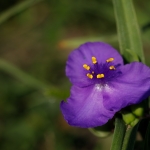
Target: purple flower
x,y
102,84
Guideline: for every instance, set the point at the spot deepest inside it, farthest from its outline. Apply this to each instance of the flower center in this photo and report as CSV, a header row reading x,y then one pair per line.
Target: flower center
x,y
99,71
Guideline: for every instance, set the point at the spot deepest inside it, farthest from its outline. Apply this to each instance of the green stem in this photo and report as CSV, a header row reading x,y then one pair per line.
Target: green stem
x,y
129,139
17,9
119,133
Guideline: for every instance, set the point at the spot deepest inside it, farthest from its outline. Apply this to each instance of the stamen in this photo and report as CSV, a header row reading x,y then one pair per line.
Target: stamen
x,y
85,66
110,60
92,72
112,68
94,60
89,75
99,76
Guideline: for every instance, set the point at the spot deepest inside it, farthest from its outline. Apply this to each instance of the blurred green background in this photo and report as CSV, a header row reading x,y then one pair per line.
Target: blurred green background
x,y
36,37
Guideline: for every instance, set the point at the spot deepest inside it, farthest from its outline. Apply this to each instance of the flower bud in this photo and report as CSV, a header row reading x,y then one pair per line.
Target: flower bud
x,y
133,123
128,117
137,110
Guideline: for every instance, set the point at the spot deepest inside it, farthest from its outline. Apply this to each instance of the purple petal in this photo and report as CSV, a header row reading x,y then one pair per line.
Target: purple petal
x,y
83,55
131,88
84,107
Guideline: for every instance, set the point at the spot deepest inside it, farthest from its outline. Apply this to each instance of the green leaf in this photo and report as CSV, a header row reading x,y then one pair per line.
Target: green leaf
x,y
132,54
128,30
147,139
119,133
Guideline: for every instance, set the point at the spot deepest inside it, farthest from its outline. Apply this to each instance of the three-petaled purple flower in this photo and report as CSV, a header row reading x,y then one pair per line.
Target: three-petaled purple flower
x,y
102,84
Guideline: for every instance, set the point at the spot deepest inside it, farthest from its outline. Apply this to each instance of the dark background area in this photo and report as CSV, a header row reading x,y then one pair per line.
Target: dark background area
x,y
36,37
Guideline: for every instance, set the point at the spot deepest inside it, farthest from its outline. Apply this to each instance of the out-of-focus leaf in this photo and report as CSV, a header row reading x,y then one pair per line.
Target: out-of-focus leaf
x,y
57,93
17,9
22,76
75,42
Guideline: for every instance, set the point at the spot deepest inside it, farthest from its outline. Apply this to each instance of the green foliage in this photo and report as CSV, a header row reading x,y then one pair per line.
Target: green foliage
x,y
32,67
131,48
132,56
128,30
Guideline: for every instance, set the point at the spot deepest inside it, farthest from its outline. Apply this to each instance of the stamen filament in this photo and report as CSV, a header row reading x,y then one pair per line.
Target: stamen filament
x,y
85,66
112,68
110,60
89,75
99,76
94,60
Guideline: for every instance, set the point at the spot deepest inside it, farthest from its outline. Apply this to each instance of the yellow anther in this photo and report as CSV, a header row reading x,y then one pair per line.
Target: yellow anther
x,y
94,60
110,60
100,76
92,72
85,66
112,68
89,75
